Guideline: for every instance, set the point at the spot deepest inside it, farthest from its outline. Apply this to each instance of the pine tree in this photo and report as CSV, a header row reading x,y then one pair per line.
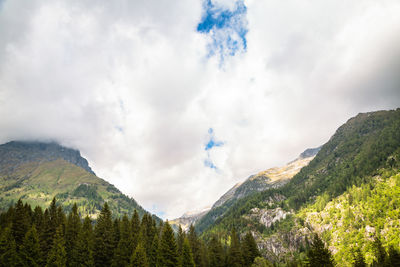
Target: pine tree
x,y
153,255
124,249
195,246
235,257
8,250
168,255
216,253
147,231
30,249
103,238
318,254
139,257
57,256
85,244
180,237
186,256
20,223
135,229
116,233
358,258
72,230
37,217
46,233
249,250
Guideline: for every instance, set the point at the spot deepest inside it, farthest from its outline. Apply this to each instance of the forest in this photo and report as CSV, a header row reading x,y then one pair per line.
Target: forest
x,y
31,237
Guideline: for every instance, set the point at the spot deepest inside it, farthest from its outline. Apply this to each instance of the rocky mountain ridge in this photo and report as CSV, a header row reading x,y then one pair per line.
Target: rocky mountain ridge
x,y
270,178
16,153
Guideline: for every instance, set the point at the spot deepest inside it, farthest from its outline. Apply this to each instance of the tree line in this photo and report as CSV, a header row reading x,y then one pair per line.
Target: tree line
x,y
33,237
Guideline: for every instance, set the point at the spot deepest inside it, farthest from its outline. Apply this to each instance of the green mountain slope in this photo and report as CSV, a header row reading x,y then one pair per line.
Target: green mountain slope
x,y
360,154
270,178
37,172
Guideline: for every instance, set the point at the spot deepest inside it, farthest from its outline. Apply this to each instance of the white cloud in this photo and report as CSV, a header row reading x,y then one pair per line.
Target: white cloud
x,y
129,84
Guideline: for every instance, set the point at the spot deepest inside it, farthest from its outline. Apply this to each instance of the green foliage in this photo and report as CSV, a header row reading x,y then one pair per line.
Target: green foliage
x,y
235,256
261,262
72,231
85,244
167,252
103,238
195,246
125,245
139,257
186,255
216,253
319,255
30,250
57,256
249,249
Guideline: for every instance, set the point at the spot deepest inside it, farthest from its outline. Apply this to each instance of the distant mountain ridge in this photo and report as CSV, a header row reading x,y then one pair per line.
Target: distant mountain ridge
x,y
36,172
15,153
271,178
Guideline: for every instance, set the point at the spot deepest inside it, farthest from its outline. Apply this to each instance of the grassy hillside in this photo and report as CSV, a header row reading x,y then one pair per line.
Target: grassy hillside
x,y
366,147
38,181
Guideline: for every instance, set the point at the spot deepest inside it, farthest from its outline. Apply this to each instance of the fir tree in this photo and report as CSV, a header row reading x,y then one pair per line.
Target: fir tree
x,y
72,230
46,233
187,256
195,246
319,255
85,244
153,255
249,250
168,255
103,238
57,256
20,223
116,233
139,257
359,258
37,217
8,250
147,231
135,229
124,249
180,237
235,257
30,249
216,253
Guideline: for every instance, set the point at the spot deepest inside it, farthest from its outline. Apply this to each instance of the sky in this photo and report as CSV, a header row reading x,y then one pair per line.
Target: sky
x,y
174,102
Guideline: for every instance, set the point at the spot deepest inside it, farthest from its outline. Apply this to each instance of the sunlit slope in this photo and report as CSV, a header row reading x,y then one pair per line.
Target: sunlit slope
x,y
363,154
39,179
271,178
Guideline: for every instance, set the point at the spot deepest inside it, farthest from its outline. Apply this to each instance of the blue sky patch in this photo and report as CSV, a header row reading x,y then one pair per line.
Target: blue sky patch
x,y
212,142
208,163
227,28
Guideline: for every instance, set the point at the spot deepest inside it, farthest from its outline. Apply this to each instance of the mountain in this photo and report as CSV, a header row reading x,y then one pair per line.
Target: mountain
x,y
349,194
188,218
36,172
271,178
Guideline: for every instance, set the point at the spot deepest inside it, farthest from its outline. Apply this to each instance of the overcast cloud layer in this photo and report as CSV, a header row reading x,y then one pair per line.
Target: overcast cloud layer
x,y
174,113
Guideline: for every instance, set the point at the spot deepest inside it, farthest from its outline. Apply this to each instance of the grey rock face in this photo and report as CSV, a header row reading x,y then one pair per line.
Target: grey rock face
x,y
15,153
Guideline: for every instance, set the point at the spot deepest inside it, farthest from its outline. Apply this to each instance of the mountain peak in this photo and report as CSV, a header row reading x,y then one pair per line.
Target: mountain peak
x,y
15,153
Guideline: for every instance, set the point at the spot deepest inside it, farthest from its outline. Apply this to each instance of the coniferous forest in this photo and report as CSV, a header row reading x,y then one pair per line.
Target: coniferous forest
x,y
33,237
